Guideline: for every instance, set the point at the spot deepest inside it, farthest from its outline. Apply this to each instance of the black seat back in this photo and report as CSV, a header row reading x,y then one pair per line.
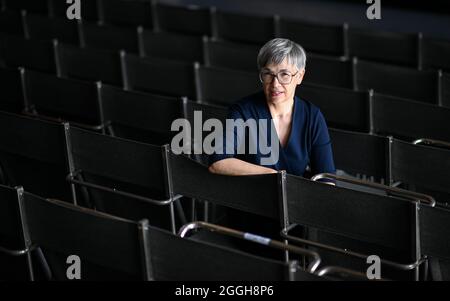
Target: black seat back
x,y
328,71
360,154
126,13
214,84
109,37
117,165
409,119
258,29
44,28
90,64
342,108
224,54
397,81
159,76
67,99
421,168
107,247
11,23
398,48
12,94
315,37
171,46
139,116
36,55
32,155
184,19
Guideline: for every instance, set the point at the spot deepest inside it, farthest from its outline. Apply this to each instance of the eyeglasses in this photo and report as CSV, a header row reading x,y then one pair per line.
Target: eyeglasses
x,y
283,77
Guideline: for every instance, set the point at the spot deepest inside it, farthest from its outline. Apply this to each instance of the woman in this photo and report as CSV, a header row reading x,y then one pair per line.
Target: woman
x,y
302,133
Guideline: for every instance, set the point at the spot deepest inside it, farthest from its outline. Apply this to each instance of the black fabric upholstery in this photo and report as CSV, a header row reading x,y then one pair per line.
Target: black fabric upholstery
x,y
253,194
398,48
315,37
397,81
66,99
37,55
215,85
380,220
11,23
206,261
90,64
231,55
12,95
172,46
110,37
409,119
445,90
99,239
259,29
342,108
358,153
159,76
32,154
328,71
435,54
426,167
44,28
190,20
434,231
130,113
126,13
11,235
88,9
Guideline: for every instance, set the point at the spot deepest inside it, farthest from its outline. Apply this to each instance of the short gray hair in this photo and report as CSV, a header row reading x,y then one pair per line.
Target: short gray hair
x,y
276,50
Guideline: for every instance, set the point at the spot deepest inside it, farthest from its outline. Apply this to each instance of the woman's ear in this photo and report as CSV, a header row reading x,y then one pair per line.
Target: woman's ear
x,y
300,76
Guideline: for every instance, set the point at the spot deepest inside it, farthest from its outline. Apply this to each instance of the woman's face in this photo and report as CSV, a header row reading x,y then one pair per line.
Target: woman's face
x,y
289,76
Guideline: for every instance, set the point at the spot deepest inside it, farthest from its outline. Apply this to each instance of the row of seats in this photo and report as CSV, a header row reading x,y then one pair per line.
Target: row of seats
x,y
181,51
341,40
113,175
94,105
121,249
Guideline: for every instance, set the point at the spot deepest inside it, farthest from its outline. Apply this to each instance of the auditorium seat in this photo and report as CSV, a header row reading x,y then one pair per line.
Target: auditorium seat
x,y
396,81
11,23
398,48
159,76
106,247
445,90
89,64
434,228
328,71
121,177
191,19
109,37
421,168
58,8
43,28
409,120
342,108
230,55
14,255
32,155
258,29
18,52
361,155
170,46
224,86
126,13
139,116
68,100
314,37
35,6
11,99
386,225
